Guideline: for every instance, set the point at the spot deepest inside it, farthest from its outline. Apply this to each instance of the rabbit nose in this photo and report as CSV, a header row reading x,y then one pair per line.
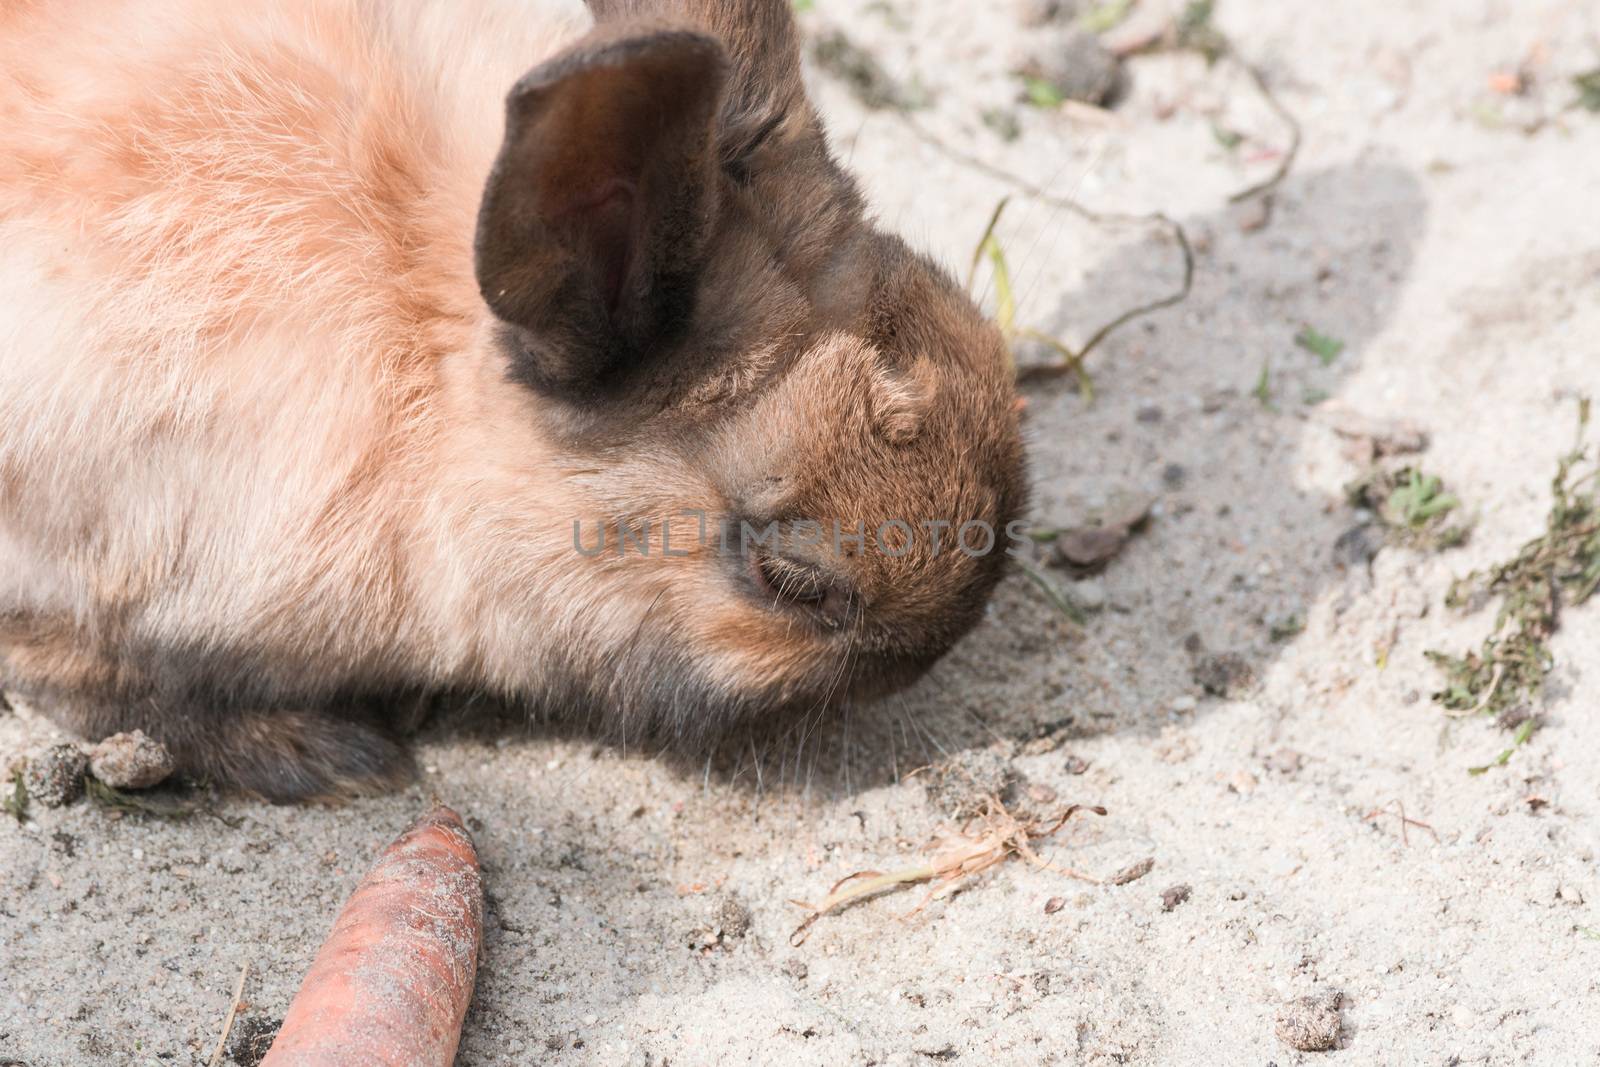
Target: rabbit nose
x,y
803,585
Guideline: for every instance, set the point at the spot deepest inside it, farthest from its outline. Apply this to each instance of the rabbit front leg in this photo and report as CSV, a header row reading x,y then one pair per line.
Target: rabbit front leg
x,y
281,754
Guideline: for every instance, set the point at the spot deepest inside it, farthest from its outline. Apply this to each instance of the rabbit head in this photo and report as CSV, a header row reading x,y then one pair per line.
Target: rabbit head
x,y
796,441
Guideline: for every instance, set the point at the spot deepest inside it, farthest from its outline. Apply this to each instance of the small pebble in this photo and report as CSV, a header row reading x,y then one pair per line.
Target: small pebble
x,y
252,1036
1243,783
1135,871
55,776
1311,1024
732,917
1358,546
130,761
1285,761
1090,595
1073,62
1041,794
1223,674
1087,546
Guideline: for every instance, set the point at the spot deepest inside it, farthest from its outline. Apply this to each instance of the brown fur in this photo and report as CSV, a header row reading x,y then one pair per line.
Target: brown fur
x,y
279,441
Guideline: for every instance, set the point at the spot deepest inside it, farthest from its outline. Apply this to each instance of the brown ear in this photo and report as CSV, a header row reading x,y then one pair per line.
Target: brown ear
x,y
593,223
764,43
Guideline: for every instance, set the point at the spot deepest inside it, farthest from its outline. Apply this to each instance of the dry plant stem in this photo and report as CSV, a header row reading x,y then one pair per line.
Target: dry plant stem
x,y
1286,164
1074,363
1483,702
1004,835
233,1013
983,242
1400,812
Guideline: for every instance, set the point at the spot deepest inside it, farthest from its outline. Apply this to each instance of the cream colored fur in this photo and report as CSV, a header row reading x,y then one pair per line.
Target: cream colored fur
x,y
243,388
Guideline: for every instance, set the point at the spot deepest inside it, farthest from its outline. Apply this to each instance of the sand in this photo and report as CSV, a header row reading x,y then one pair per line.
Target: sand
x,y
1443,231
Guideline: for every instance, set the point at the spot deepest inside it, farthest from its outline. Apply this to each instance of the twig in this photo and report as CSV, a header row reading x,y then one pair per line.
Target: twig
x,y
1286,164
1400,810
1483,702
1049,370
1004,835
1074,364
233,1011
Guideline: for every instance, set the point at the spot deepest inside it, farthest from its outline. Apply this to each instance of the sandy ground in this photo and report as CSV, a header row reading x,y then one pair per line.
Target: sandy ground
x,y
1452,248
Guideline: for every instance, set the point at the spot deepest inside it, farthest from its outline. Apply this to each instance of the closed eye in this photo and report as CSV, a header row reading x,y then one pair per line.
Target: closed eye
x,y
739,157
795,585
791,581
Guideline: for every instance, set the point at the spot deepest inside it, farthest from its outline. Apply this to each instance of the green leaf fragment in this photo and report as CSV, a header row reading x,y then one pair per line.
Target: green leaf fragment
x,y
1588,86
1420,499
1520,738
1042,93
1106,16
1319,344
1228,139
16,805
1005,296
1263,390
1558,569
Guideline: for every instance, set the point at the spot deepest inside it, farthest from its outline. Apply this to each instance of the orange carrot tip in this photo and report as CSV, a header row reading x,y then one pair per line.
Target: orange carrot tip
x,y
391,985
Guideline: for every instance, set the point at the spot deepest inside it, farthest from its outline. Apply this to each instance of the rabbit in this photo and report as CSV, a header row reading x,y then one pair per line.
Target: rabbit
x,y
334,339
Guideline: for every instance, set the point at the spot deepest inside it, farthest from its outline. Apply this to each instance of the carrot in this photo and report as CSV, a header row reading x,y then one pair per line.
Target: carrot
x,y
391,984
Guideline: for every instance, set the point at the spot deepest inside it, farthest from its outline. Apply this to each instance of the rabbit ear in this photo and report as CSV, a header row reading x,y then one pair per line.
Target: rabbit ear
x,y
761,37
594,220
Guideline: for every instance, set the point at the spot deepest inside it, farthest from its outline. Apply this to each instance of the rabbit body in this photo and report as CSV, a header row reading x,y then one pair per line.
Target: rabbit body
x,y
317,350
